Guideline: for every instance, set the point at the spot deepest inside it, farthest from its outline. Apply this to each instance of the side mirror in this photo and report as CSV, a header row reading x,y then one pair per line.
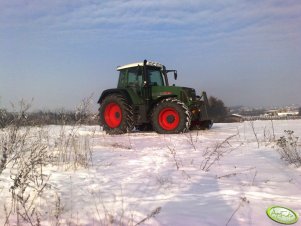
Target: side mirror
x,y
175,74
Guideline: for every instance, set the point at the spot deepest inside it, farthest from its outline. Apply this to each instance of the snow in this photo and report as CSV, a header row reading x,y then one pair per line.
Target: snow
x,y
213,177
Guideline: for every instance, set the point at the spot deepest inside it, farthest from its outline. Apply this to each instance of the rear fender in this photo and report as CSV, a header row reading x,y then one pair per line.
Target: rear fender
x,y
114,91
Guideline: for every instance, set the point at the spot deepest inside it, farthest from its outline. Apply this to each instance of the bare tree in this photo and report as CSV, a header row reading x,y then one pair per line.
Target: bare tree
x,y
217,109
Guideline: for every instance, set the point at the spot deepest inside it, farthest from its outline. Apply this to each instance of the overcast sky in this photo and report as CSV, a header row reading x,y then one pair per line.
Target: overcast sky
x,y
59,51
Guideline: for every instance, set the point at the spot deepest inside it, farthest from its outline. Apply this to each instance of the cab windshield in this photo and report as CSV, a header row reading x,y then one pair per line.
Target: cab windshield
x,y
156,76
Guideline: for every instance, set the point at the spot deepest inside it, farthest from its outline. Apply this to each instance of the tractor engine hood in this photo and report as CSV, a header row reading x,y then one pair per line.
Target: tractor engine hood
x,y
190,92
183,93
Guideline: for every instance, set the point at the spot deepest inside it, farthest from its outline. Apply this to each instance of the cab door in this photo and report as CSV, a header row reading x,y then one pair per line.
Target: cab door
x,y
133,84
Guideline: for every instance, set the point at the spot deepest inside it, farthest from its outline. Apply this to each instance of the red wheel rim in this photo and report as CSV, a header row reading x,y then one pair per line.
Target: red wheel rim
x,y
169,118
113,115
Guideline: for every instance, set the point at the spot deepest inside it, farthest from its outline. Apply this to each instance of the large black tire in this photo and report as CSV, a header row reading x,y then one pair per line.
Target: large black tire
x,y
116,115
171,116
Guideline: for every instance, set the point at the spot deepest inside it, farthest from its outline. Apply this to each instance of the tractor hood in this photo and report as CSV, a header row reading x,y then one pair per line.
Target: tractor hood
x,y
183,93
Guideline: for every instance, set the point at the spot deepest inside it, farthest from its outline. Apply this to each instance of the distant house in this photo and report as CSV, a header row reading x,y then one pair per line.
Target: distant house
x,y
271,113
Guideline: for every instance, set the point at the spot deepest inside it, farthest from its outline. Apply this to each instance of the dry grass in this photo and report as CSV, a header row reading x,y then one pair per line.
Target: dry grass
x,y
72,150
24,153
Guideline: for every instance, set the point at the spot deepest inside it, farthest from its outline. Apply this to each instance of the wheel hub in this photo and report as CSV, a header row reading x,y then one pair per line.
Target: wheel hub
x,y
169,119
117,115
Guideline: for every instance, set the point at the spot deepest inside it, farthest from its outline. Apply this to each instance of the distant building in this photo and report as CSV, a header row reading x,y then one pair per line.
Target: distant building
x,y
271,113
282,113
288,113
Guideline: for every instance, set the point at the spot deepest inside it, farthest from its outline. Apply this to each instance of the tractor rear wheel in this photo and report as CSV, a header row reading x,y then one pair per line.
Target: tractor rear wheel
x,y
171,116
116,115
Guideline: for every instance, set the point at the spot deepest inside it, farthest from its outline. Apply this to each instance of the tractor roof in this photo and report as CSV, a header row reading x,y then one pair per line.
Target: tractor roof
x,y
155,64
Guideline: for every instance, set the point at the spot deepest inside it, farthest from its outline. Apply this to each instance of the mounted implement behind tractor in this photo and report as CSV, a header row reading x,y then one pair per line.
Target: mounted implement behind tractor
x,y
144,99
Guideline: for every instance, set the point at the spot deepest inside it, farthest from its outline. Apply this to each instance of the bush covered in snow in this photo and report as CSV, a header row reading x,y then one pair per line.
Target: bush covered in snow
x,y
289,149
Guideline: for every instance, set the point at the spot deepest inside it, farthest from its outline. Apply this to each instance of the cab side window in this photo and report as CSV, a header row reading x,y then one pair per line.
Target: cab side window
x,y
155,77
122,79
134,78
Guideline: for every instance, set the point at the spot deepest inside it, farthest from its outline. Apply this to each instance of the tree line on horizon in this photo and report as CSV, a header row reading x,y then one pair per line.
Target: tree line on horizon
x,y
216,110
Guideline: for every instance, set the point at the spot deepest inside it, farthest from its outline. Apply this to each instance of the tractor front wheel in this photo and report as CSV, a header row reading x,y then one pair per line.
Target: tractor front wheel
x,y
116,115
171,116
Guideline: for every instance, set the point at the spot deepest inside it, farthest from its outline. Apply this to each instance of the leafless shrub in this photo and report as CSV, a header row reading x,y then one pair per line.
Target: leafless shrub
x,y
73,150
288,148
174,157
154,213
243,200
273,130
12,139
191,141
212,155
237,173
5,118
254,132
109,215
84,113
25,155
269,135
58,210
178,162
26,150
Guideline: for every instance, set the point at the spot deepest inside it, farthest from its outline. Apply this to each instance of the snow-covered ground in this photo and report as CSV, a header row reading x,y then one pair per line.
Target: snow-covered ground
x,y
221,176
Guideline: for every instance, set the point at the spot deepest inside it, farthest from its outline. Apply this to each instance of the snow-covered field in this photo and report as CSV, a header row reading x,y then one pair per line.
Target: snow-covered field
x,y
222,176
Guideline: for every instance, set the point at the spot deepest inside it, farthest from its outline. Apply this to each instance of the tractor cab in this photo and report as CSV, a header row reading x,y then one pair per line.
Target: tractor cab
x,y
138,75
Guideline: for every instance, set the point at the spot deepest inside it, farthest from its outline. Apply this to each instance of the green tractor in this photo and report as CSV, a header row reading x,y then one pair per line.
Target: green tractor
x,y
144,100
